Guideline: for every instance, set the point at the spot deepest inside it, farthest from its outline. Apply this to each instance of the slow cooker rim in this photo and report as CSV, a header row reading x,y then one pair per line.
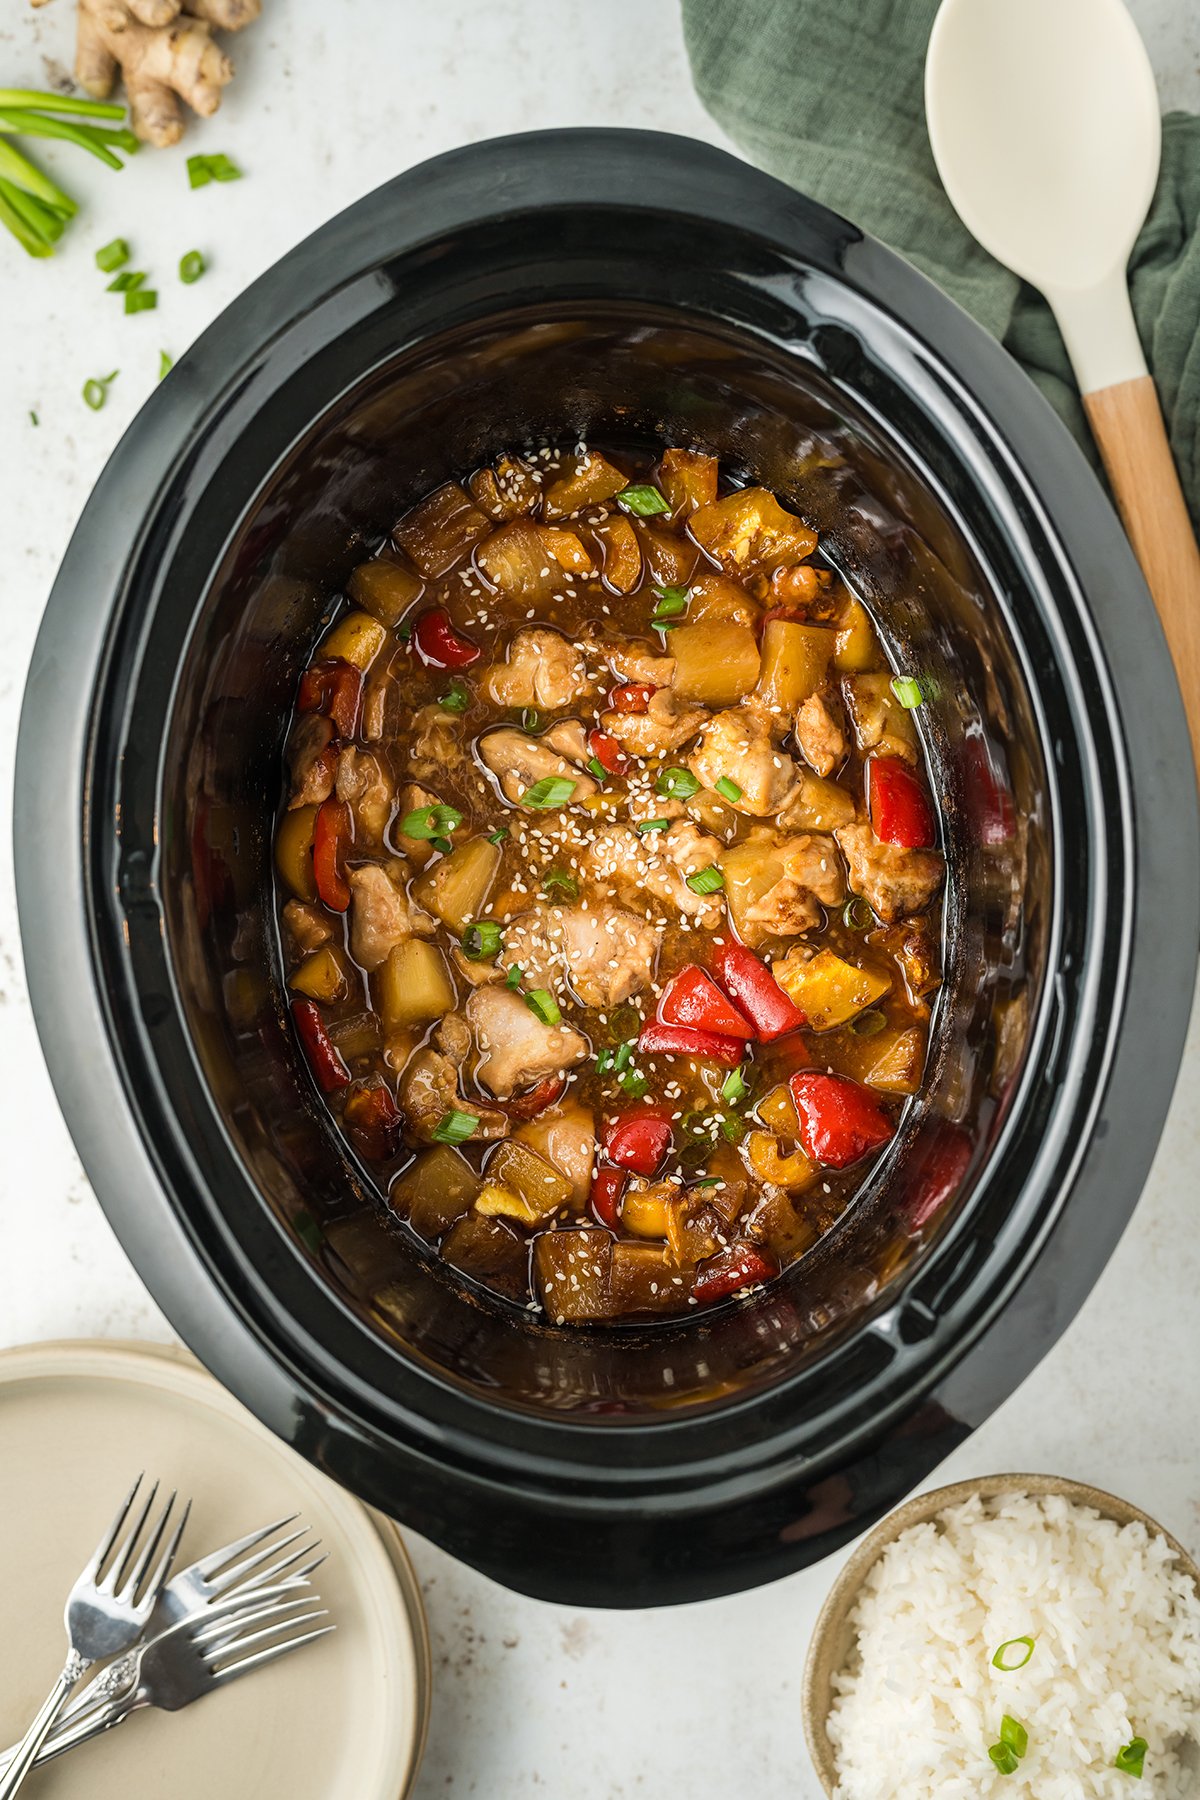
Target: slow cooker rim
x,y
536,147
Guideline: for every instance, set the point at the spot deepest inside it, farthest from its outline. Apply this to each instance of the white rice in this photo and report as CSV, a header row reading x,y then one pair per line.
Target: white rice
x,y
1116,1626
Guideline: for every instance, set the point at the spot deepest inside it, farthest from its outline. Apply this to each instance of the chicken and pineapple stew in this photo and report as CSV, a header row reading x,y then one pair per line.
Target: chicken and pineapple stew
x,y
611,929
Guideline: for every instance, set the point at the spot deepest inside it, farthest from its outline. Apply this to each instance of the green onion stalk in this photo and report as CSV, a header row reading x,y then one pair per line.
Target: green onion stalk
x,y
32,206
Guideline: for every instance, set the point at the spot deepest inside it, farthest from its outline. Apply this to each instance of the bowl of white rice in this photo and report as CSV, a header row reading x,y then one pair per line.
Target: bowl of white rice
x,y
1018,1637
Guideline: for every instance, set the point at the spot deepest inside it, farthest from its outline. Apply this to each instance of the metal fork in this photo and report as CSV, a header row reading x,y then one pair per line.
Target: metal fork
x,y
192,1591
105,1613
199,1654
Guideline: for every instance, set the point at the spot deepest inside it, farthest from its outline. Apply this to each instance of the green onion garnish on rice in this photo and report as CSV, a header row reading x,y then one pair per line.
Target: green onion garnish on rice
x,y
1131,1758
1008,1663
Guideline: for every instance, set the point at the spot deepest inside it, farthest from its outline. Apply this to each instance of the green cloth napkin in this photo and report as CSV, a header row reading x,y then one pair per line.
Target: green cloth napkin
x,y
828,95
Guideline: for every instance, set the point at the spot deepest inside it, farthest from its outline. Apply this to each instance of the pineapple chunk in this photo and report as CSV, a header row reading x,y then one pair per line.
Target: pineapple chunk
x,y
588,482
828,990
749,531
787,1169
357,639
441,528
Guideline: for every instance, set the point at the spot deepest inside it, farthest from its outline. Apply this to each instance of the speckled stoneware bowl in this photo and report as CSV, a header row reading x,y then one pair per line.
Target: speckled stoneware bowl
x,y
833,1637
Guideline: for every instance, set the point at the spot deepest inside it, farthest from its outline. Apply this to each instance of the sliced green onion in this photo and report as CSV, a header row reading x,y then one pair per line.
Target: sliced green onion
x,y
552,790
456,699
498,837
112,256
624,1021
543,1005
728,790
676,784
531,719
633,1084
642,499
558,881
430,822
95,392
671,608
734,1088
653,825
1014,1734
597,768
1008,1663
868,1024
455,1128
622,1057
442,844
33,418
1005,1759
165,364
481,940
706,881
126,281
908,691
404,633
605,1060
203,169
141,300
513,978
1131,1758
857,913
191,267
734,1130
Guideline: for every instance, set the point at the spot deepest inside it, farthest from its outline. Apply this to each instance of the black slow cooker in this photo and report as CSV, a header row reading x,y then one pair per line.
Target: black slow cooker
x,y
630,287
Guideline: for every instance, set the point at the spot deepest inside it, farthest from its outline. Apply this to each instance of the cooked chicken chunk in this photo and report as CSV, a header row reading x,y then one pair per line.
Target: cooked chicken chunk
x,y
542,668
428,1088
609,953
820,737
516,1049
520,762
736,746
605,952
366,787
437,745
569,739
812,878
633,659
893,880
877,717
312,761
307,926
380,914
666,723
658,863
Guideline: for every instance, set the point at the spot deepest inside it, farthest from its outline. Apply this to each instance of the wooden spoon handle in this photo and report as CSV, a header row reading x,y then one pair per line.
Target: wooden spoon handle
x,y
1128,427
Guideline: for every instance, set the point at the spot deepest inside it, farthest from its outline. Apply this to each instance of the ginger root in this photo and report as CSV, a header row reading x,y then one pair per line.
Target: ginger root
x,y
163,53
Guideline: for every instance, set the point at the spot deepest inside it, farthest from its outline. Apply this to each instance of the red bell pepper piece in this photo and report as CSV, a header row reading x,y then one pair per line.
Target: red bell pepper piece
x,y
323,1054
333,833
631,696
608,1184
740,1266
751,985
528,1106
335,689
839,1120
692,997
373,1120
436,641
607,752
899,806
639,1140
684,1040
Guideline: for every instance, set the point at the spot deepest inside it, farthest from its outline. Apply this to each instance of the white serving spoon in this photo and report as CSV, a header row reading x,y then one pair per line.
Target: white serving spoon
x,y
1044,121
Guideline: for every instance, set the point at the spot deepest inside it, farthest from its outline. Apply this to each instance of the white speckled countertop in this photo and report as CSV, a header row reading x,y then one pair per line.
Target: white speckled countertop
x,y
701,1700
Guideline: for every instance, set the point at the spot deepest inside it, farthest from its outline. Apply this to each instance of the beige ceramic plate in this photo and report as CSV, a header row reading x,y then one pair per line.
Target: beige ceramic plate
x,y
343,1719
833,1638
